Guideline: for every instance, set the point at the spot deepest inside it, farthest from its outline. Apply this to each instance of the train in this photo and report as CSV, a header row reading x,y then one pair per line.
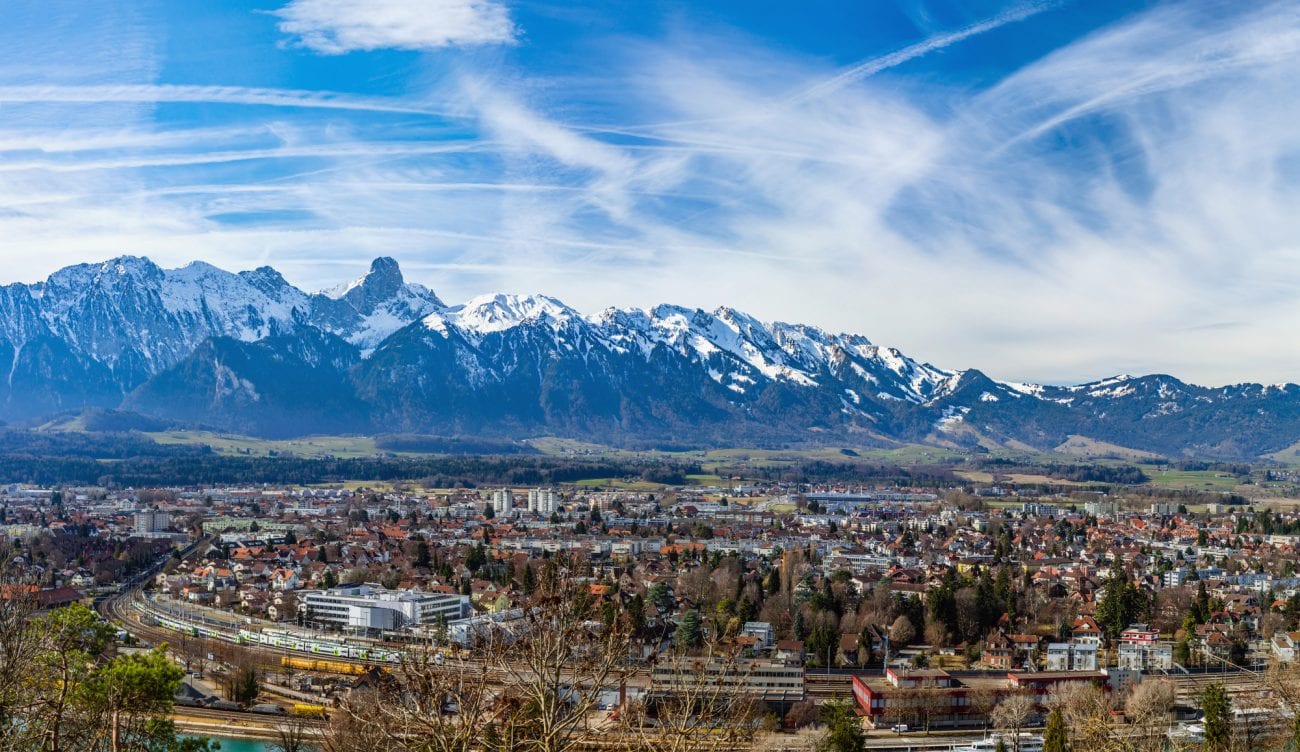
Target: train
x,y
317,664
186,627
310,711
282,639
286,640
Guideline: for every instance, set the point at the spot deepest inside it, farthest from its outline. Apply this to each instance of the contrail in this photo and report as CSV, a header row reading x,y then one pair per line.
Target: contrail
x,y
875,65
155,93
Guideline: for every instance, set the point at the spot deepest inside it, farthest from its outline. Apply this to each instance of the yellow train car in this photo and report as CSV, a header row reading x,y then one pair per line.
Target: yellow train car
x,y
310,711
319,664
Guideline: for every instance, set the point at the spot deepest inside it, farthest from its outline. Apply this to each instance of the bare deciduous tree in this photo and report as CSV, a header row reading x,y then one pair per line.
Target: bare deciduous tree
x,y
699,702
932,703
1147,708
1086,709
982,700
555,663
19,647
1012,714
436,702
293,735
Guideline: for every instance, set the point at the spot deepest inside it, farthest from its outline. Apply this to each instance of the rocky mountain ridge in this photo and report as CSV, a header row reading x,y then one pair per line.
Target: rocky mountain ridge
x,y
249,352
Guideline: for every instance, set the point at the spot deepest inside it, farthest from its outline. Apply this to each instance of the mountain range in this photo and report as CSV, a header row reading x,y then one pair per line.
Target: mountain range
x,y
250,353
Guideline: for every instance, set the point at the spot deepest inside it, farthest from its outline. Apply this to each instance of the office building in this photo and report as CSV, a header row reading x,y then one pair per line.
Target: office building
x,y
370,608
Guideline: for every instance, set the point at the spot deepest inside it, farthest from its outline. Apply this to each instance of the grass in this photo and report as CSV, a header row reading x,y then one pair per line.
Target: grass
x,y
981,476
1082,446
346,447
1288,456
705,480
378,486
712,460
1196,480
618,484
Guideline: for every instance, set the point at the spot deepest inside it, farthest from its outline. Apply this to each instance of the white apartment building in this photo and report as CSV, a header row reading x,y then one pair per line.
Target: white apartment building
x,y
152,521
367,608
503,501
1071,656
1141,654
541,501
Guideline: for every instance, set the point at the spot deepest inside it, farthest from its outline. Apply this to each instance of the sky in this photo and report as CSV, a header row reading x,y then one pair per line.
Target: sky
x,y
1050,191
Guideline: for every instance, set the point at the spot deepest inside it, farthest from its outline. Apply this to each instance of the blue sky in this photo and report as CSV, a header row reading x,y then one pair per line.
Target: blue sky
x,y
1049,191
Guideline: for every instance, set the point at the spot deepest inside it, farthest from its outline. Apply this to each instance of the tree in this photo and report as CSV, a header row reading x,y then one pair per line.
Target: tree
x,y
437,702
243,683
931,702
1086,709
555,662
19,648
70,641
698,703
1284,682
982,700
329,580
531,685
130,691
1147,708
1054,738
902,632
690,633
661,596
1012,714
843,729
1122,603
1217,709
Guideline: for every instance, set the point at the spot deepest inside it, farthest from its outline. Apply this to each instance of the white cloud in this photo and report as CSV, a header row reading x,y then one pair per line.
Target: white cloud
x,y
1159,206
1125,203
874,65
174,93
334,27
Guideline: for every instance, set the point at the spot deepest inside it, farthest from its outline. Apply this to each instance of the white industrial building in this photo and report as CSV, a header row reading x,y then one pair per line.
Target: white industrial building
x,y
369,608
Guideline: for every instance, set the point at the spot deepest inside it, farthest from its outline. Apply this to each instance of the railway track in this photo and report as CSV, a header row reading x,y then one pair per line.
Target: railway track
x,y
244,716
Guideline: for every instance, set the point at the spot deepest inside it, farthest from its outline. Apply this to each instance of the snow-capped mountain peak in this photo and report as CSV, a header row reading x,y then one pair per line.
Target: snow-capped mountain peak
x,y
498,312
194,343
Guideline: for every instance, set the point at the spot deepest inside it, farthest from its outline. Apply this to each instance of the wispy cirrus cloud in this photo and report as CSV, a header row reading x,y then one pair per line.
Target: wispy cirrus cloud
x,y
877,64
173,93
335,27
1095,209
1111,195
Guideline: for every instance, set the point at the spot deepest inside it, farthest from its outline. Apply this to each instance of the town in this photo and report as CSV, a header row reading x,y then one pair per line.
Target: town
x,y
927,613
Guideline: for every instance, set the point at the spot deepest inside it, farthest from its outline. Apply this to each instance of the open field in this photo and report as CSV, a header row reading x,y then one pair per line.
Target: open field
x,y
618,484
311,446
712,459
1082,446
1195,480
1288,456
724,467
982,476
